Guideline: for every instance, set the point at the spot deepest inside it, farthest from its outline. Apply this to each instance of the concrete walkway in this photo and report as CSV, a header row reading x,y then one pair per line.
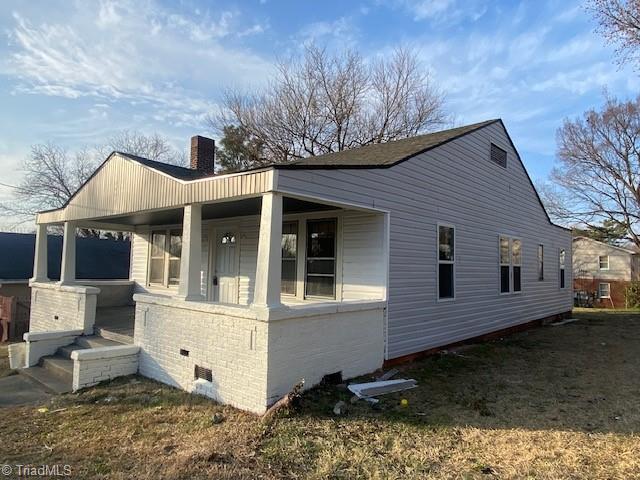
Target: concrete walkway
x,y
16,390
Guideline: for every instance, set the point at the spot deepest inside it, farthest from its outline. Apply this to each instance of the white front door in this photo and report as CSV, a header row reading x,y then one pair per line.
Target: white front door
x,y
225,268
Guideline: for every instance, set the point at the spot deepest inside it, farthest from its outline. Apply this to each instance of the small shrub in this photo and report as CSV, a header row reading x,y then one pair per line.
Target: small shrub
x,y
632,295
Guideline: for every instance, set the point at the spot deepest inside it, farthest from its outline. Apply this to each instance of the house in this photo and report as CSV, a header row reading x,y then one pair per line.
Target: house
x,y
602,271
99,259
245,283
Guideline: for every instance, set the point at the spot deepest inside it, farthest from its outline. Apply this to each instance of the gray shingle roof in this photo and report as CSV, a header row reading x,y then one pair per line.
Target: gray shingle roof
x,y
385,154
379,155
175,171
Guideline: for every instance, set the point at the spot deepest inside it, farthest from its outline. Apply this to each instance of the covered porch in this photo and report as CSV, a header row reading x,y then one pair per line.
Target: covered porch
x,y
240,290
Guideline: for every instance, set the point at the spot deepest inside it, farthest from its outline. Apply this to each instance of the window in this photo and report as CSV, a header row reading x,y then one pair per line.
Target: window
x,y
604,290
289,257
516,264
540,263
446,262
498,155
510,264
603,262
321,258
562,265
164,257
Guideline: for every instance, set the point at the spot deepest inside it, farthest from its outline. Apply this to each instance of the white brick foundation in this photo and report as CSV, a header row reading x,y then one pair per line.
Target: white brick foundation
x,y
96,365
255,356
56,307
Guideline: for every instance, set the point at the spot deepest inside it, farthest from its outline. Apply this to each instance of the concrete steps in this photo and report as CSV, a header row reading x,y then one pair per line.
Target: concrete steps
x,y
55,372
114,336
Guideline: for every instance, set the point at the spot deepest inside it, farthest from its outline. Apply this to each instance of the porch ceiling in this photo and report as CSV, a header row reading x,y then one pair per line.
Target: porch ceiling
x,y
210,211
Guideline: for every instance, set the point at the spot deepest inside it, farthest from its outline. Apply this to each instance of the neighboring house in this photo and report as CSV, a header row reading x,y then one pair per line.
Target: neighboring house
x,y
99,259
247,282
603,272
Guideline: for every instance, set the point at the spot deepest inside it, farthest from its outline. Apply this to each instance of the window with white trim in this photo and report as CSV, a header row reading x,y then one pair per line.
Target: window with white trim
x,y
321,258
446,262
289,257
604,290
165,252
603,262
516,264
510,252
540,263
562,268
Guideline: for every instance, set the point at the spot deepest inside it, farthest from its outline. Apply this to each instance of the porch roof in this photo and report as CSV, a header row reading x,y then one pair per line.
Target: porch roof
x,y
124,186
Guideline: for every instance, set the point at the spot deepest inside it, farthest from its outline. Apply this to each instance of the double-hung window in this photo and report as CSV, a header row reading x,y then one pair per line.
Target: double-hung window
x,y
164,257
446,262
603,262
563,256
604,290
510,253
321,258
289,257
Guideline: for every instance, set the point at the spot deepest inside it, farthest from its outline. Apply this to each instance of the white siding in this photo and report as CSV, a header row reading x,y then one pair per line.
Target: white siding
x,y
363,269
250,229
457,184
139,253
122,186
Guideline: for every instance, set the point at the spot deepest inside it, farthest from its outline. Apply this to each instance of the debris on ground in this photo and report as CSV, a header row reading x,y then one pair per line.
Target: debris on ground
x,y
217,418
43,410
388,375
285,401
564,322
373,389
340,408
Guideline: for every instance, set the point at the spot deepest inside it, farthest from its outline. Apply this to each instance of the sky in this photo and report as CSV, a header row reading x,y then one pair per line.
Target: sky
x,y
74,72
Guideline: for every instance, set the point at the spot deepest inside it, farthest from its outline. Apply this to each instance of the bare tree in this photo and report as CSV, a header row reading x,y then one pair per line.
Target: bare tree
x,y
52,174
326,103
598,176
153,147
619,23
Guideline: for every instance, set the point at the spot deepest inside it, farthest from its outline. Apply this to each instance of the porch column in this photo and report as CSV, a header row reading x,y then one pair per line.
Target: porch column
x,y
40,258
269,267
190,261
68,267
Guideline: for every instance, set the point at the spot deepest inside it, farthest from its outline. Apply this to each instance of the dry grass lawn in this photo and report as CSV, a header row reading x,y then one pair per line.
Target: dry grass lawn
x,y
554,402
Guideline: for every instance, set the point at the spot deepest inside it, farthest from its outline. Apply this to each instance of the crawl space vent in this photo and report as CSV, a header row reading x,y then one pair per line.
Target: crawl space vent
x,y
203,373
498,156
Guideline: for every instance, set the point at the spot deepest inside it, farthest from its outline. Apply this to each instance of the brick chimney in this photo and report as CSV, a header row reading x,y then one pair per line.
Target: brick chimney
x,y
203,154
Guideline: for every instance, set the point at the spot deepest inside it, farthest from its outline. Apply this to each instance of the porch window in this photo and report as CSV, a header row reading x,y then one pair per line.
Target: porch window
x,y
321,258
446,262
164,258
562,265
289,257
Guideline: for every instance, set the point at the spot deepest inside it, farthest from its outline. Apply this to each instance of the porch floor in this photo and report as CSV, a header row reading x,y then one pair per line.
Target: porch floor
x,y
116,323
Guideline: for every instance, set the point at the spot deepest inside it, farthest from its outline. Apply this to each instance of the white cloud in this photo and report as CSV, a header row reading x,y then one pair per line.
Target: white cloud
x,y
136,52
443,11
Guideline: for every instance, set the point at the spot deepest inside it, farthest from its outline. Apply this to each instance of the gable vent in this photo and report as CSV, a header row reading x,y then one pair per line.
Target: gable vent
x,y
203,373
498,156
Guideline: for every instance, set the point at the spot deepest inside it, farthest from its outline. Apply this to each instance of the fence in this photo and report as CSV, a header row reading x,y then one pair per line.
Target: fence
x,y
14,317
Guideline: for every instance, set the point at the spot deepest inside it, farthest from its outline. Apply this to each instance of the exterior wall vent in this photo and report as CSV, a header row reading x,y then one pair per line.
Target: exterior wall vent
x,y
203,373
498,156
